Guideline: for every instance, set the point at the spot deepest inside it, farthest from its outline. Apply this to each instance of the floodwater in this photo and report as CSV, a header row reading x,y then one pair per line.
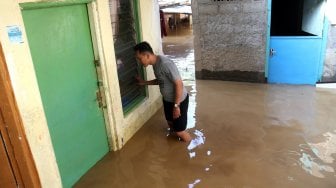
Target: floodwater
x,y
245,135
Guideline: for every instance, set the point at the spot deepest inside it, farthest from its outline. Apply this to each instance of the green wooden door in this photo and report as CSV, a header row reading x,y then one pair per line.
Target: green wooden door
x,y
61,47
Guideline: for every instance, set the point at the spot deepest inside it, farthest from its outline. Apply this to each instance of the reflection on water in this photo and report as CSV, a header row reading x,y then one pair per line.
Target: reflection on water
x,y
314,168
179,47
314,158
192,154
246,135
198,140
191,185
186,67
307,157
192,107
182,53
323,151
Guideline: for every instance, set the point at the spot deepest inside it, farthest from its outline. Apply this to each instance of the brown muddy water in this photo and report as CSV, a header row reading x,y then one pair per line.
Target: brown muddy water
x,y
244,136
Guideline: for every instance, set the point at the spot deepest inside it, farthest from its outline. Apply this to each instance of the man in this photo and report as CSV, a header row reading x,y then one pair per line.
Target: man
x,y
175,96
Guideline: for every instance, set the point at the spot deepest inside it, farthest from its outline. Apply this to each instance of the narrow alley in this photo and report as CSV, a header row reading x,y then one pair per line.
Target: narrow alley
x,y
245,135
261,84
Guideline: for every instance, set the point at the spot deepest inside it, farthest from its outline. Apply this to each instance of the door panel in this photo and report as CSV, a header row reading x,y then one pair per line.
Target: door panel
x,y
313,17
7,178
15,149
295,41
61,47
294,60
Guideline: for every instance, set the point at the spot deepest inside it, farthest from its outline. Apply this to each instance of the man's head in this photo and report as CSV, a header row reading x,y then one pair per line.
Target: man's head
x,y
144,54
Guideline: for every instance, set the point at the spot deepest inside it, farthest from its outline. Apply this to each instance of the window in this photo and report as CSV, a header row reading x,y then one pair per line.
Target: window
x,y
126,35
297,18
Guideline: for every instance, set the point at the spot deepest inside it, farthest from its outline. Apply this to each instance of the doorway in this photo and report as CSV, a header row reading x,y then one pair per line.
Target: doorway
x,y
61,45
296,41
17,167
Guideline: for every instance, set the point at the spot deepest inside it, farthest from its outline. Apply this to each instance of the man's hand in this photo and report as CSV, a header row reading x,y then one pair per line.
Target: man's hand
x,y
140,81
176,112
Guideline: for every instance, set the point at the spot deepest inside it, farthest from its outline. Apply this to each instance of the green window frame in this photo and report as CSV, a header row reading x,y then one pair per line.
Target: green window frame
x,y
126,33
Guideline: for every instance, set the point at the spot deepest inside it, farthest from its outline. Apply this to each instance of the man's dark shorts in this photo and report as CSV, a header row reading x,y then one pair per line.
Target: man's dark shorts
x,y
179,124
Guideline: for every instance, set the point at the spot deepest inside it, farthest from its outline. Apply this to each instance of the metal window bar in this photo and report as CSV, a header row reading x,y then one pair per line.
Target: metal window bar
x,y
125,37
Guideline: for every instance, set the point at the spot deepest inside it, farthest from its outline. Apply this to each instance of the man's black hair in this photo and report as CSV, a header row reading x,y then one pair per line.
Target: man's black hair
x,y
143,47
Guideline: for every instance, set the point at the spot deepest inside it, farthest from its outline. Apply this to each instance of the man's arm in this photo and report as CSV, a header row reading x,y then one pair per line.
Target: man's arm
x,y
178,86
149,82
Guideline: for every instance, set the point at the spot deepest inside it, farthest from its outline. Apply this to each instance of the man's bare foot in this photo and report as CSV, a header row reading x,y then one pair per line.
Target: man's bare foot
x,y
184,135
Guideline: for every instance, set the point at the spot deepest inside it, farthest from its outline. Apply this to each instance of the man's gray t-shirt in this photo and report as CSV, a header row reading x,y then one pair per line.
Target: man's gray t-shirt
x,y
166,73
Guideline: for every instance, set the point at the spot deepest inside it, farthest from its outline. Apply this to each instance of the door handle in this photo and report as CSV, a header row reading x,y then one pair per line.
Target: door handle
x,y
272,52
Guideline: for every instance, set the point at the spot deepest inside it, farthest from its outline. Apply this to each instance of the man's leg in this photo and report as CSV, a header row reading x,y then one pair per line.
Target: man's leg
x,y
170,128
181,122
170,124
184,135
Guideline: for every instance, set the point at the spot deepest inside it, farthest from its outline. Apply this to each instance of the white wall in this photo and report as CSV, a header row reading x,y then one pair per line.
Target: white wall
x,y
27,95
330,11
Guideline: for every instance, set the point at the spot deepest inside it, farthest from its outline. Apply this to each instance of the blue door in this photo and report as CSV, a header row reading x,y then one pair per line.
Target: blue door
x,y
295,42
294,60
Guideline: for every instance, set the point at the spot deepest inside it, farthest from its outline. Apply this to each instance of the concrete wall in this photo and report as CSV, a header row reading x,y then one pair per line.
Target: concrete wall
x,y
120,128
329,69
230,39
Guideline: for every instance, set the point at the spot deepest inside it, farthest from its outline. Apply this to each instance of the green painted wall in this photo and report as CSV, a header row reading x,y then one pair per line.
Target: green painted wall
x,y
61,47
